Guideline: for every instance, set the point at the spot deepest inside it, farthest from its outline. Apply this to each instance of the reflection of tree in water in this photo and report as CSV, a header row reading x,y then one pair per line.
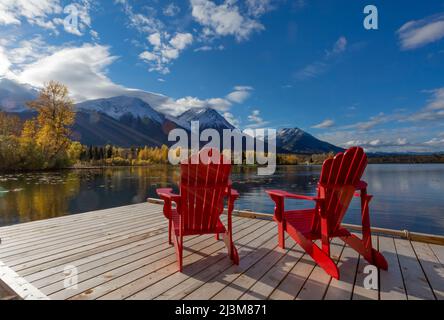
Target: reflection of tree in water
x,y
38,196
153,177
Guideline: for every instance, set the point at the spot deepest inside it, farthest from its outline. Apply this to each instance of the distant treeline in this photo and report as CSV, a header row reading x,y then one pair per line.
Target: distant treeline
x,y
414,158
44,142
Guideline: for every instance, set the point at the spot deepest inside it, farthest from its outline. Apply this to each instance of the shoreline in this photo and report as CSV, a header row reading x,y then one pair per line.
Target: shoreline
x,y
166,164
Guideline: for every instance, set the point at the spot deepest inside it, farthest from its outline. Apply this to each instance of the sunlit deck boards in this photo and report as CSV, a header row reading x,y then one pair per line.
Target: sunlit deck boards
x,y
122,253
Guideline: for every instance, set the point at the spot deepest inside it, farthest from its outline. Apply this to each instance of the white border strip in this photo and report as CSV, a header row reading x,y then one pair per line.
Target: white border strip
x,y
22,288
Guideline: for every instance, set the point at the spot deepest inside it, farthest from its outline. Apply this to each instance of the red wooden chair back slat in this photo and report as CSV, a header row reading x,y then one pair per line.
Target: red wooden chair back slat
x,y
339,177
202,188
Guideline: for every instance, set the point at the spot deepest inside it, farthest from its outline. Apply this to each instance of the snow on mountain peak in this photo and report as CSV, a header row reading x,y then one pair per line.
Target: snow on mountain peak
x,y
207,117
116,107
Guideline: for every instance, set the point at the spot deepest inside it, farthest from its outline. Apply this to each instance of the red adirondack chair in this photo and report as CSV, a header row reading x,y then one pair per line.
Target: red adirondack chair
x,y
340,178
203,189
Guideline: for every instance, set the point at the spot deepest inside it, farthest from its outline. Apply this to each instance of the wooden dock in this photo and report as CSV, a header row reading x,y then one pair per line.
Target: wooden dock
x,y
122,253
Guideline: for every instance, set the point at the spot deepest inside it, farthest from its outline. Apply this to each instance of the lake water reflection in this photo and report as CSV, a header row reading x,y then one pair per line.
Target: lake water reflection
x,y
406,196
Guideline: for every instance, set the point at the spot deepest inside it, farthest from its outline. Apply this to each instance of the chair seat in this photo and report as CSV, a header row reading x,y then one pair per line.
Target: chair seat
x,y
220,228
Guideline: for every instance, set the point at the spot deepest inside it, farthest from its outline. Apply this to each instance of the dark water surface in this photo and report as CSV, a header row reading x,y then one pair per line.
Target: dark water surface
x,y
406,196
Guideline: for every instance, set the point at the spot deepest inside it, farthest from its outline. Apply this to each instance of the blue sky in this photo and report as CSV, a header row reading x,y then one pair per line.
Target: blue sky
x,y
261,63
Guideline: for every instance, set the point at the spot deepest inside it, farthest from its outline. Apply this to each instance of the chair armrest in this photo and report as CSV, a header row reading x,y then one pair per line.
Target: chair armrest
x,y
362,185
231,193
279,196
167,194
168,197
362,188
288,195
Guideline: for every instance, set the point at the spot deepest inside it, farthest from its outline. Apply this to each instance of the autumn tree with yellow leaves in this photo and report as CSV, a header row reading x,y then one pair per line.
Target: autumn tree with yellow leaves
x,y
51,129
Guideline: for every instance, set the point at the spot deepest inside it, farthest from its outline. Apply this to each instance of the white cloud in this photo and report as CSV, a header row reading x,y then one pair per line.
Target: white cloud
x,y
171,10
418,33
312,70
165,46
258,7
372,122
5,64
176,107
35,12
255,119
435,142
47,14
232,119
209,48
339,46
165,49
328,123
82,69
224,19
317,68
27,51
154,39
141,22
240,94
181,40
433,111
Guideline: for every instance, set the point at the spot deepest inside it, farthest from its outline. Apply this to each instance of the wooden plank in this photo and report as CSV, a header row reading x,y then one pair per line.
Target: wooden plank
x,y
216,270
57,221
73,227
415,281
101,247
101,255
203,269
27,260
96,282
6,293
264,287
249,277
213,286
391,285
290,286
35,246
438,250
97,267
343,289
93,280
22,288
208,257
89,263
318,281
33,263
433,269
359,290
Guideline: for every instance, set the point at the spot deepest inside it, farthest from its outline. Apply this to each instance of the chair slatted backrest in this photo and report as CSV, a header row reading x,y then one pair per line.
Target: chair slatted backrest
x,y
340,176
202,190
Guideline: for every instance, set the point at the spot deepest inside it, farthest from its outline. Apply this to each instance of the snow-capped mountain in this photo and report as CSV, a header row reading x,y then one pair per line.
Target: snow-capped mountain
x,y
207,117
117,107
14,95
295,140
134,120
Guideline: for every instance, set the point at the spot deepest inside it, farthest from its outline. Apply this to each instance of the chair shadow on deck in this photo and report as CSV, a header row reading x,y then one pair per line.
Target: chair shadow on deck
x,y
290,274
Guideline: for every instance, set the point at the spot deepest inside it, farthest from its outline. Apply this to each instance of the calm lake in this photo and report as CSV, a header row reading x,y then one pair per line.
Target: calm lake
x,y
406,196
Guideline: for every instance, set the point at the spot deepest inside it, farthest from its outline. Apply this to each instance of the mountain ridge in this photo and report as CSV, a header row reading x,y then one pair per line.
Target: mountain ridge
x,y
132,121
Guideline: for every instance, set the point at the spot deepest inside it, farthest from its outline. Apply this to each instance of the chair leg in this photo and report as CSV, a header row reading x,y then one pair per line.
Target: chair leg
x,y
178,244
318,255
232,251
370,254
170,224
217,236
281,234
